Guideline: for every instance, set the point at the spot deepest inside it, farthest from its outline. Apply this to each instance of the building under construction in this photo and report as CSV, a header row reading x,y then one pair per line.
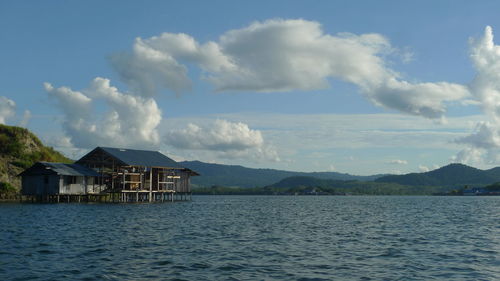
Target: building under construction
x,y
109,175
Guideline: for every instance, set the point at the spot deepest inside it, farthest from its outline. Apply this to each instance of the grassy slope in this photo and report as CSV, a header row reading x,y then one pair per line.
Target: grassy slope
x,y
19,149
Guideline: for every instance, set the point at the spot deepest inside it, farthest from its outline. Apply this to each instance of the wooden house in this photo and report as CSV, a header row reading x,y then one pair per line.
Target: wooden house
x,y
120,175
44,178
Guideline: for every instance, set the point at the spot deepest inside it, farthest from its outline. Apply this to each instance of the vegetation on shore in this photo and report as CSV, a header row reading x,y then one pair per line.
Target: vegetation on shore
x,y
19,149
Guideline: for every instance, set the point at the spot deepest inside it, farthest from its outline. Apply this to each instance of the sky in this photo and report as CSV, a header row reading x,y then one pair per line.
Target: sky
x,y
359,87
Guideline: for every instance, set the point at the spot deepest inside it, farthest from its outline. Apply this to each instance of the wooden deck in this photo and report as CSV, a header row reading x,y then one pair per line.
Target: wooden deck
x,y
124,196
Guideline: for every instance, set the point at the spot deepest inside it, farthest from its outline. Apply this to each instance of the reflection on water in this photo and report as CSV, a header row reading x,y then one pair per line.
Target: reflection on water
x,y
255,238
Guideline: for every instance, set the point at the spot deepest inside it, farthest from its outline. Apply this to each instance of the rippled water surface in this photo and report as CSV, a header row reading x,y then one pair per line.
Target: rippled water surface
x,y
255,238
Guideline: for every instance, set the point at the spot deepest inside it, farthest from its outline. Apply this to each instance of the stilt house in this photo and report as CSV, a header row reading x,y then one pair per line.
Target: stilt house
x,y
124,175
44,178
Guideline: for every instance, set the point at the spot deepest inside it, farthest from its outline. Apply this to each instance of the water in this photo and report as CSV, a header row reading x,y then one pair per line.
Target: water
x,y
255,238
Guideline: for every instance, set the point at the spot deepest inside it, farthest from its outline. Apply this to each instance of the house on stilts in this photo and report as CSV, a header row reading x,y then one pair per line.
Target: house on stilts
x,y
110,175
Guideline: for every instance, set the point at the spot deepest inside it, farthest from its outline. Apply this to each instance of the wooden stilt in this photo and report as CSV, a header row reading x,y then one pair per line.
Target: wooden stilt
x,y
151,185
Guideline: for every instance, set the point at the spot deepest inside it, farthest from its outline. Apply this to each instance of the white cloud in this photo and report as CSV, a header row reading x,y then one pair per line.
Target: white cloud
x,y
483,145
423,168
129,122
423,99
7,109
154,62
331,168
282,55
227,139
469,155
26,118
63,144
398,162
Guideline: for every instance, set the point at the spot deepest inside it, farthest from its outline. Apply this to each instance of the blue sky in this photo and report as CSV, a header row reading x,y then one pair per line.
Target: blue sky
x,y
362,87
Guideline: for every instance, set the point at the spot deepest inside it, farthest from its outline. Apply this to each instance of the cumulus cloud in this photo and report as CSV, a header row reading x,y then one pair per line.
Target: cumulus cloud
x,y
129,121
156,62
470,155
26,118
423,168
7,109
483,145
227,139
282,55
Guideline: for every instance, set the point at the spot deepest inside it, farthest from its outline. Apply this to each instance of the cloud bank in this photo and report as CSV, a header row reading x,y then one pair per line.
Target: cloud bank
x,y
270,56
282,55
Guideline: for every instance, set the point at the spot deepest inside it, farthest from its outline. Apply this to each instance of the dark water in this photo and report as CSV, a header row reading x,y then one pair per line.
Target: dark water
x,y
255,238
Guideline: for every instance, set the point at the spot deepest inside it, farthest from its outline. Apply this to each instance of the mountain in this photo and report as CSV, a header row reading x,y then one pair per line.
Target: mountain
x,y
239,176
439,181
19,149
304,181
450,175
310,185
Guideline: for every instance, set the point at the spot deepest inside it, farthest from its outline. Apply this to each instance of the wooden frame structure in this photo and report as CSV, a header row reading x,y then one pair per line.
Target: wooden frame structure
x,y
128,175
139,175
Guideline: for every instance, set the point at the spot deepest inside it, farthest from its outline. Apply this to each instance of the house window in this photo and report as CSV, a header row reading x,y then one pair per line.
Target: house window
x,y
71,179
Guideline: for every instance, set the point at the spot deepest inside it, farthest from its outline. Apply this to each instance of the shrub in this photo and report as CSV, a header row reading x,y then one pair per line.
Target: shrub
x,y
6,187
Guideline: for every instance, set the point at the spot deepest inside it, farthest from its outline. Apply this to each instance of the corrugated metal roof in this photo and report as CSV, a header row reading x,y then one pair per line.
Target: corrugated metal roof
x,y
44,168
66,169
133,157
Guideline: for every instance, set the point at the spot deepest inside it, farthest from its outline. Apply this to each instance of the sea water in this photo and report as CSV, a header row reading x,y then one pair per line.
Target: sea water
x,y
255,238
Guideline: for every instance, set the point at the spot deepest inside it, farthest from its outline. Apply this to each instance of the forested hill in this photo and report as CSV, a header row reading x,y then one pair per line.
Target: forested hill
x,y
19,149
239,176
450,175
307,185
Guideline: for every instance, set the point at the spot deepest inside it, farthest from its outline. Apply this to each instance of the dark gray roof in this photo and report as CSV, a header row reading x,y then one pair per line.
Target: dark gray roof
x,y
133,157
61,169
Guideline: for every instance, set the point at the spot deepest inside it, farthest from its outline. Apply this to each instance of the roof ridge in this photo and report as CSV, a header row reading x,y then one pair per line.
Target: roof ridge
x,y
123,148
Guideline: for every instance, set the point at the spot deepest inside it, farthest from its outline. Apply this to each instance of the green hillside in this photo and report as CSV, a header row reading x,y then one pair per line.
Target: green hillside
x,y
19,149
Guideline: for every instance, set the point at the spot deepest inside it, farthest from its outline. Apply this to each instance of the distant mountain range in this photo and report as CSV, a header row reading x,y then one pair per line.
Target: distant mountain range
x,y
450,175
239,176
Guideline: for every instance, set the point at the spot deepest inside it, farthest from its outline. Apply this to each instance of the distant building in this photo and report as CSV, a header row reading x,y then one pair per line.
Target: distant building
x,y
474,191
118,175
